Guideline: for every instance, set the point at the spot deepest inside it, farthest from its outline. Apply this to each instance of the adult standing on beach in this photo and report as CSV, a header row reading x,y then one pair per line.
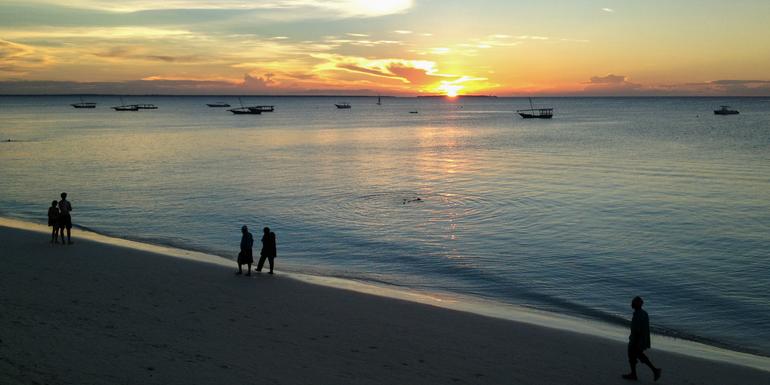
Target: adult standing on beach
x,y
269,250
53,221
65,219
245,257
639,340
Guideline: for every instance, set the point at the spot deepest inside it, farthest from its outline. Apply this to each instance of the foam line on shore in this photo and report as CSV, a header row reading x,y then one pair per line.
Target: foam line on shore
x,y
443,300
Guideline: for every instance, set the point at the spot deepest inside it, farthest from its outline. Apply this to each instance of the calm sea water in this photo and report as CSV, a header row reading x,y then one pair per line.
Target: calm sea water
x,y
612,198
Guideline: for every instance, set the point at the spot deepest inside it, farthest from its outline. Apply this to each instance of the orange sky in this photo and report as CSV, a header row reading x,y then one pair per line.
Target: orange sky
x,y
399,47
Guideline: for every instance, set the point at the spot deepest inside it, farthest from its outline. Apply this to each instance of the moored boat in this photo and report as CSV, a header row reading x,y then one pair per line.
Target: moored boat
x,y
130,107
535,113
342,105
726,110
248,110
263,108
218,104
125,107
245,111
83,104
146,106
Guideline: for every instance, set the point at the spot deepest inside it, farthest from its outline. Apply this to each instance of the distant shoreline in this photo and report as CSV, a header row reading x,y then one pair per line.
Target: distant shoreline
x,y
395,96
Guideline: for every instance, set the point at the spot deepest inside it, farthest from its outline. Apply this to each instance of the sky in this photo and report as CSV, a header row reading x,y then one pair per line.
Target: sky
x,y
396,47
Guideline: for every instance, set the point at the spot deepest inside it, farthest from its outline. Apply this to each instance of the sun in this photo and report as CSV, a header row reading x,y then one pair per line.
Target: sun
x,y
450,90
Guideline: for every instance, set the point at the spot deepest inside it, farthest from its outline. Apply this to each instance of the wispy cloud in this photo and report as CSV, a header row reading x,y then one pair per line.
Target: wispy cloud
x,y
19,59
608,10
321,8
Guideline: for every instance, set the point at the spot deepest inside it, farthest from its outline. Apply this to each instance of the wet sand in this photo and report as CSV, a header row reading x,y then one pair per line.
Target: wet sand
x,y
98,313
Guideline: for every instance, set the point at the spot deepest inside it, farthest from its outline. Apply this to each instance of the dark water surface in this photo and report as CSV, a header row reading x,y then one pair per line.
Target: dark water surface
x,y
612,198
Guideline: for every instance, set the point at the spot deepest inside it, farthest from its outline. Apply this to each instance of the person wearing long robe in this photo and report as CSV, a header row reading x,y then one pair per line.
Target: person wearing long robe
x,y
245,257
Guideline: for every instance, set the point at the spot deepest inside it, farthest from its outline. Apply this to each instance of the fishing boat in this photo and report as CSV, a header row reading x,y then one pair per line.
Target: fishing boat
x,y
726,110
535,113
264,108
252,110
342,106
83,104
218,104
125,107
131,107
146,106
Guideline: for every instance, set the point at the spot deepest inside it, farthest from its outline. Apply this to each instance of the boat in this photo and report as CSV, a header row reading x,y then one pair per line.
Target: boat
x,y
245,111
125,107
264,108
726,110
414,112
218,104
535,113
146,106
131,107
379,100
83,104
252,110
342,105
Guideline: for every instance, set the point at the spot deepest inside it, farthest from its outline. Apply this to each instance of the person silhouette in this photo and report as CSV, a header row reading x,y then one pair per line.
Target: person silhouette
x,y
268,249
245,257
53,221
639,341
65,219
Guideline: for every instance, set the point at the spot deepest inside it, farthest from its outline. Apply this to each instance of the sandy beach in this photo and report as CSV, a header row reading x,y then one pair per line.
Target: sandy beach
x,y
99,313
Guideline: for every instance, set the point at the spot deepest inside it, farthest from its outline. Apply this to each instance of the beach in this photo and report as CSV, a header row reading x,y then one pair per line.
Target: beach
x,y
101,313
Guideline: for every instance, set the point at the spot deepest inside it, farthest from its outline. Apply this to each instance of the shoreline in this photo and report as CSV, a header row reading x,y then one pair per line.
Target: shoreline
x,y
453,302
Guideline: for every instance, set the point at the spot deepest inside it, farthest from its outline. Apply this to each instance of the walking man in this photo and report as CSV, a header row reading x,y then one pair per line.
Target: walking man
x,y
65,220
639,341
268,250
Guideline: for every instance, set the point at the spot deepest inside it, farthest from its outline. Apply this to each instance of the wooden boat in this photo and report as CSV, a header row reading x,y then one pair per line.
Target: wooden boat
x,y
146,106
130,107
245,111
83,104
535,113
218,104
342,105
264,108
252,110
726,110
125,107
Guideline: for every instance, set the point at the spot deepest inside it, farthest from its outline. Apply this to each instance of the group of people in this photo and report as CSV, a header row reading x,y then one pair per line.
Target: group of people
x,y
59,219
269,250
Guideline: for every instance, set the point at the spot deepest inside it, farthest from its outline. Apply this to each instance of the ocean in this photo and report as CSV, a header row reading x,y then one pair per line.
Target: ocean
x,y
614,197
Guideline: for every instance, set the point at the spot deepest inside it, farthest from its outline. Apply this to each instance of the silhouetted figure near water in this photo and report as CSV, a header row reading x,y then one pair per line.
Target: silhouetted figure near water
x,y
269,249
53,221
65,219
245,257
639,340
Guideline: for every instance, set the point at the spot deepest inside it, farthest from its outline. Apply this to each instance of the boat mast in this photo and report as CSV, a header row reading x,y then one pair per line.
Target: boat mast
x,y
531,106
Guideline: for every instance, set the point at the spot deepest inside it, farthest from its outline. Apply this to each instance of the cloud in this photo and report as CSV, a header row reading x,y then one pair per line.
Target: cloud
x,y
611,85
402,31
608,79
608,10
19,59
138,53
314,8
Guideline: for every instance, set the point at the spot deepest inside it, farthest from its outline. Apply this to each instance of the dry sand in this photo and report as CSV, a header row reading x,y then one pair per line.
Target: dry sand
x,y
96,313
